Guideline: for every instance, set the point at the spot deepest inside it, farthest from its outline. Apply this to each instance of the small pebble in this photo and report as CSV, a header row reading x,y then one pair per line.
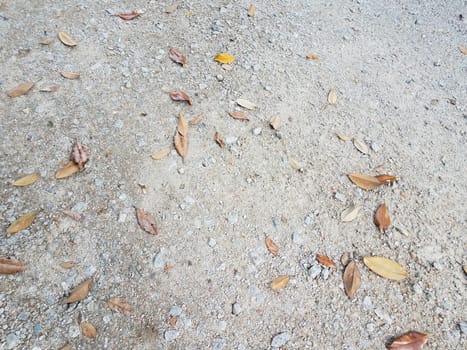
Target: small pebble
x,y
374,146
118,124
325,273
236,308
175,311
340,197
257,131
11,341
219,77
181,171
170,334
279,135
231,140
74,331
280,339
276,222
314,271
212,242
232,219
296,238
23,316
367,304
218,344
37,328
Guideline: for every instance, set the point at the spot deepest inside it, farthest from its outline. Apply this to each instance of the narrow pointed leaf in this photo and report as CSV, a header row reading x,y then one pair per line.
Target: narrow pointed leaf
x,y
366,182
224,58
196,120
280,282
8,267
146,221
220,141
239,116
251,10
21,223
386,268
463,50
312,56
177,56
361,146
27,180
246,104
272,246
352,279
412,340
70,75
344,137
20,89
67,39
80,292
386,179
47,41
382,220
350,213
181,136
325,261
51,88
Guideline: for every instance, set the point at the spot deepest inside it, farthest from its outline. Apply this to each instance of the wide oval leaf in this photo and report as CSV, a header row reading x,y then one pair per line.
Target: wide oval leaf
x,y
352,279
385,267
412,340
280,282
366,182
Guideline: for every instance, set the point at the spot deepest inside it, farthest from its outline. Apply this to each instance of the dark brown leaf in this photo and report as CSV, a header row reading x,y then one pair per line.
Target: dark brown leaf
x,y
325,261
181,136
412,340
180,96
382,219
146,221
79,155
219,140
80,292
128,16
352,279
8,267
177,56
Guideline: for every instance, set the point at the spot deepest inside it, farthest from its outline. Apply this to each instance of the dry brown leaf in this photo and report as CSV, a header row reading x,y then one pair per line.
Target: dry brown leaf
x,y
181,136
160,154
280,282
20,89
80,292
246,104
47,41
224,58
21,223
325,261
312,56
386,179
172,321
8,266
180,96
332,97
128,16
361,146
386,268
465,269
66,39
79,155
350,213
196,120
146,221
67,346
366,182
272,246
120,305
382,220
70,75
239,116
463,50
177,56
171,8
275,122
251,10
88,330
68,264
352,279
343,137
51,88
67,170
26,180
220,141
412,340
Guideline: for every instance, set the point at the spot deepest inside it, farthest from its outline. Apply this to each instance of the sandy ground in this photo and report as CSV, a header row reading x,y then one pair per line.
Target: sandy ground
x,y
203,281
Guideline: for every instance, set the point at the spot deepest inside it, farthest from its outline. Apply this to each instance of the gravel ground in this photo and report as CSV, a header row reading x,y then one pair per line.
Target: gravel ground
x,y
203,281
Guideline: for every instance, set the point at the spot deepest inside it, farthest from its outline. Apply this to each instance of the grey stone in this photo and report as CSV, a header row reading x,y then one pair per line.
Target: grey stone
x,y
212,242
232,219
257,131
170,334
296,238
218,344
219,77
74,331
11,341
118,124
24,315
325,273
231,140
280,339
340,197
314,271
367,304
175,311
236,308
463,327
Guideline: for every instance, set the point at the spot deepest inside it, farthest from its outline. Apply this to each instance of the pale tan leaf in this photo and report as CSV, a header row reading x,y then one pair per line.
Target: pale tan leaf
x,y
382,219
70,75
272,246
251,10
239,116
67,170
26,180
180,96
146,221
88,330
246,104
220,141
67,346
181,136
312,56
385,267
20,89
296,165
352,279
160,154
280,282
386,179
51,88
325,261
224,58
8,267
80,292
465,269
463,50
171,8
196,120
68,264
343,137
350,213
120,305
72,215
361,146
21,223
47,41
332,97
366,182
412,340
67,39
275,122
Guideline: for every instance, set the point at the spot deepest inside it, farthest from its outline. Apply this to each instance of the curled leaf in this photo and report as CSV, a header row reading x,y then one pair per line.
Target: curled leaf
x,y
220,141
352,279
366,182
275,122
80,292
332,97
246,104
146,221
70,75
312,56
177,56
26,180
224,58
67,170
119,305
350,213
181,136
386,268
386,179
8,267
239,116
280,282
160,154
79,155
272,246
21,223
67,39
128,16
88,329
20,89
325,261
180,96
361,146
412,340
382,219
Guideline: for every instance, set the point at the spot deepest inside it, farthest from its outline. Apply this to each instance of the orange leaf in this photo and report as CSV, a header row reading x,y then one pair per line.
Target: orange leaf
x,y
224,58
272,246
280,282
26,180
367,182
128,16
8,267
20,89
382,219
386,179
181,136
412,340
180,96
312,56
219,139
177,56
352,279
79,293
239,116
146,221
325,261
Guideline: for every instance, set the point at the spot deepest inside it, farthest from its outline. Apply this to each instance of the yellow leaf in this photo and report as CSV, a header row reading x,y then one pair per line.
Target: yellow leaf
x,y
21,223
367,182
386,268
332,97
224,58
20,89
66,39
26,180
160,154
279,282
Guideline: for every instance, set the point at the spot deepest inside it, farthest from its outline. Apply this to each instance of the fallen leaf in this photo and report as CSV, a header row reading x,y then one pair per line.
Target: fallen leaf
x,y
79,293
70,75
66,39
160,154
296,165
380,168
67,346
68,264
224,58
385,267
361,146
239,116
332,97
386,179
180,96
8,267
67,170
143,187
72,214
325,261
168,267
382,220
412,340
26,180
434,102
20,89
279,282
177,56
51,88
352,279
272,246
251,10
21,223
128,16
146,221
343,137
246,104
465,269
171,8
219,140
196,120
312,56
88,329
275,122
79,155
463,50
172,321
350,213
119,305
47,41
366,182
181,136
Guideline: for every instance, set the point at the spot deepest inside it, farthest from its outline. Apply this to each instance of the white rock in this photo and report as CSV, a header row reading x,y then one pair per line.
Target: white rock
x,y
280,339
